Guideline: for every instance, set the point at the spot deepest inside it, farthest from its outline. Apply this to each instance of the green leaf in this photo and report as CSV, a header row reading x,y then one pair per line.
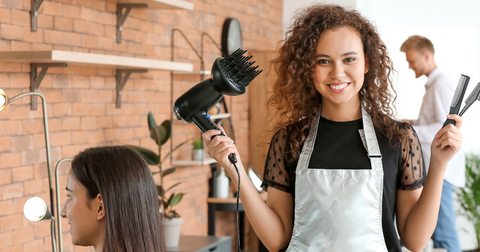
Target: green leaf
x,y
170,200
173,186
148,155
176,199
160,191
165,204
156,133
169,171
167,126
151,121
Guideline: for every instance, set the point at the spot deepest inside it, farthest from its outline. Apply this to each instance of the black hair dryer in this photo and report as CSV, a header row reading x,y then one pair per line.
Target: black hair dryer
x,y
230,76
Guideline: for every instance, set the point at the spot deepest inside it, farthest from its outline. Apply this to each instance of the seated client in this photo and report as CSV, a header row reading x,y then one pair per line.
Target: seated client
x,y
112,202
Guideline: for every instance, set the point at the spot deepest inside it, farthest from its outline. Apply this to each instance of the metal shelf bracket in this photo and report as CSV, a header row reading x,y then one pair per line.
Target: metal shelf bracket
x,y
121,17
35,5
36,78
121,82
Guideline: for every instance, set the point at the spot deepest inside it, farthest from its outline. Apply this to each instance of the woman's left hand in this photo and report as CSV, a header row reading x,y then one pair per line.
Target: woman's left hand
x,y
447,142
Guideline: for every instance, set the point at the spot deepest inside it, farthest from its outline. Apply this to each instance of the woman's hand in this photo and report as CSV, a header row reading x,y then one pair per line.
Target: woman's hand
x,y
447,142
220,147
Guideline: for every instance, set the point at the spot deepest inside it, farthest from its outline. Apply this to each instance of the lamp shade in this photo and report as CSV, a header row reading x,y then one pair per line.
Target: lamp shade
x,y
35,209
3,99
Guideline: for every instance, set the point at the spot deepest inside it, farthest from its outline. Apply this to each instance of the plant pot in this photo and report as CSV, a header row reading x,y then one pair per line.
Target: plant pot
x,y
197,154
172,231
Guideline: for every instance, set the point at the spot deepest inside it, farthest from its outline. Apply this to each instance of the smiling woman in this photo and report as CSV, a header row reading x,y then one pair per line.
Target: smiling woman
x,y
112,202
340,170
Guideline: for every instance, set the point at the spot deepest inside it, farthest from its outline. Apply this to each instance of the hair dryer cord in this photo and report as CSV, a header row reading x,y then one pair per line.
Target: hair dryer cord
x,y
233,159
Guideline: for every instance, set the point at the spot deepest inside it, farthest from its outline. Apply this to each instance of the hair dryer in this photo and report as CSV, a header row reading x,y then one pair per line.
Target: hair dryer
x,y
230,76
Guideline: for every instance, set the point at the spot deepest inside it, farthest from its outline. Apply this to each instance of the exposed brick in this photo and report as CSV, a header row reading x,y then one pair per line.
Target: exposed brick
x,y
5,143
33,187
53,37
71,11
81,26
88,123
80,81
34,156
8,160
21,18
71,123
5,239
73,39
41,47
36,37
4,44
89,41
106,18
97,29
33,245
45,22
11,191
20,80
11,32
23,235
5,16
51,8
11,4
22,173
20,143
41,229
5,177
88,14
62,109
60,138
63,23
80,137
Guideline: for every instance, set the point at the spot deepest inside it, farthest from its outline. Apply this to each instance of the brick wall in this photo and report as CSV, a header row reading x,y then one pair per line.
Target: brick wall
x,y
81,100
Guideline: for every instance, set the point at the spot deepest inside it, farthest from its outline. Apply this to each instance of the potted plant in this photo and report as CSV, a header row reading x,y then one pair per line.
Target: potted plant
x,y
172,220
197,152
469,196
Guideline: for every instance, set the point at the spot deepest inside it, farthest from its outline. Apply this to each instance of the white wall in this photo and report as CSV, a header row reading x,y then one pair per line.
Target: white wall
x,y
454,28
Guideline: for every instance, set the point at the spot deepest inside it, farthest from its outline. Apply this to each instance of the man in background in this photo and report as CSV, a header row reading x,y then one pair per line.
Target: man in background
x,y
439,91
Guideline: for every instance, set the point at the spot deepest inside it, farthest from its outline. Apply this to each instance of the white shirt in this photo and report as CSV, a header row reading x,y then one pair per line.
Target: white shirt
x,y
439,91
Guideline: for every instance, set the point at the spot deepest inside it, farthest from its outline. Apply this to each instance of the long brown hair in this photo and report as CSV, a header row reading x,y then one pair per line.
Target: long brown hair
x,y
294,94
123,178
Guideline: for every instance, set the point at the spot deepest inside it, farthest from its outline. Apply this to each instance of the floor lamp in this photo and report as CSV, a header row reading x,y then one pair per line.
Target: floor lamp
x,y
34,210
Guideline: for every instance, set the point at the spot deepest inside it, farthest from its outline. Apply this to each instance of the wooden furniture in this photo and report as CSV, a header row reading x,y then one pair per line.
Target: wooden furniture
x,y
228,204
261,119
159,4
93,59
203,244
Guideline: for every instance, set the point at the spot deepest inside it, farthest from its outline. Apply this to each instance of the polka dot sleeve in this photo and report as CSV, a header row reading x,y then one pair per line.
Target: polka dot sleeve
x,y
413,173
275,174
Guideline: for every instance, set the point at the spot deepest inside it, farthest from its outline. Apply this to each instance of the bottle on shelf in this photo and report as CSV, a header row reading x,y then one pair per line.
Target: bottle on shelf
x,y
222,184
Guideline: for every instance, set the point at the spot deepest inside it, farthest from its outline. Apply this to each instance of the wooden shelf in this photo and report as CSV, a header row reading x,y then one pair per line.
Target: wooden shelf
x,y
160,4
194,72
220,116
206,161
79,58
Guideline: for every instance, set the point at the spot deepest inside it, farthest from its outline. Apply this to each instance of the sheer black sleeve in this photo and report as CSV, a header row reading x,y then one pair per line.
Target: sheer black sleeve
x,y
413,173
275,173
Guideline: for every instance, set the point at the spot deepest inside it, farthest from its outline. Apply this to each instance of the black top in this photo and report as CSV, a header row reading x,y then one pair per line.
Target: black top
x,y
339,146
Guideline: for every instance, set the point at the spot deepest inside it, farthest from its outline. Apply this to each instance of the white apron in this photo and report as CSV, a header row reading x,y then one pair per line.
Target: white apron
x,y
339,210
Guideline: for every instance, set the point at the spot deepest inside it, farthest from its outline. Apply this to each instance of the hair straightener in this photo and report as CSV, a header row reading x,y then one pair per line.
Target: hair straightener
x,y
457,98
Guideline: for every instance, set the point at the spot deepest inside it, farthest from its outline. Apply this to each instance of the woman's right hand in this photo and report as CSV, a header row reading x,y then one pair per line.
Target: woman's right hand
x,y
220,147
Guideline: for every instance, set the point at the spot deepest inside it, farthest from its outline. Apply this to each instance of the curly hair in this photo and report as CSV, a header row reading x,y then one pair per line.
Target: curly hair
x,y
294,94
